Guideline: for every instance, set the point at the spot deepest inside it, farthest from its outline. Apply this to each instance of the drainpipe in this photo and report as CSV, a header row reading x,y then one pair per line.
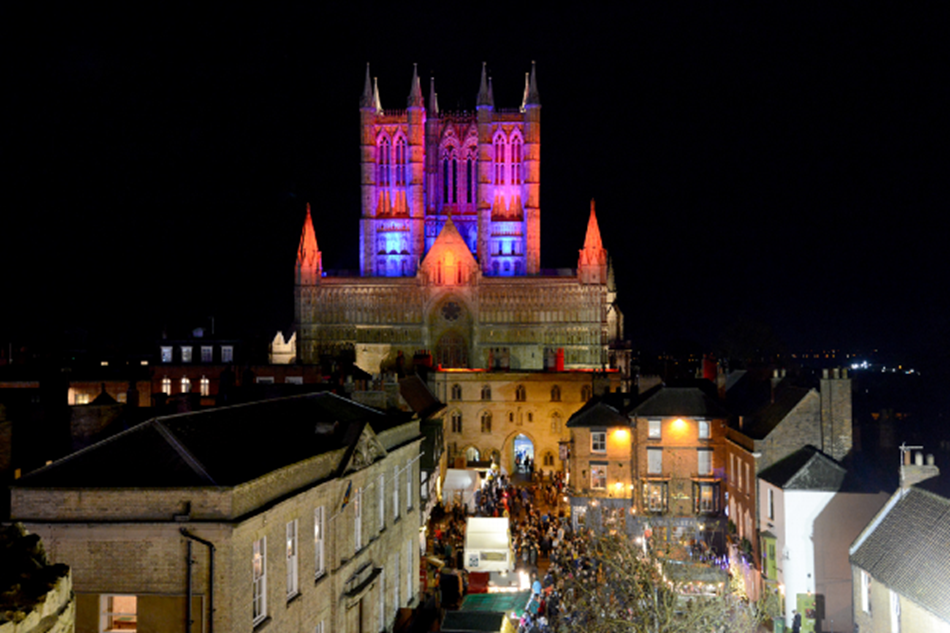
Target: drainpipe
x,y
210,547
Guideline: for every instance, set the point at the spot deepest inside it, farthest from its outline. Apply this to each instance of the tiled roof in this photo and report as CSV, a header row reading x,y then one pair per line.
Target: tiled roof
x,y
685,401
216,447
805,469
909,549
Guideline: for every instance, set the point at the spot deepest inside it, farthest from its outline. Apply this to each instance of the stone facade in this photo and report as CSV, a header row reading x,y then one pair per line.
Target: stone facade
x,y
328,539
450,250
486,412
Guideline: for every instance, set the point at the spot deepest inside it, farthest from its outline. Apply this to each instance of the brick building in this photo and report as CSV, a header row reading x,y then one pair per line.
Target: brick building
x,y
305,508
769,428
679,465
659,456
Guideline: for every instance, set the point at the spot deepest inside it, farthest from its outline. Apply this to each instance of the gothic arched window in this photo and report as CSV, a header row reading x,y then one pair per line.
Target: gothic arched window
x,y
555,394
520,393
445,180
456,392
516,161
486,422
455,179
556,423
499,160
486,392
456,421
469,181
383,162
400,162
585,393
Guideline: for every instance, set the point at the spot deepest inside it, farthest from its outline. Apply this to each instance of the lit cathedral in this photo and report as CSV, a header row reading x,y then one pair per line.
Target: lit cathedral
x,y
450,249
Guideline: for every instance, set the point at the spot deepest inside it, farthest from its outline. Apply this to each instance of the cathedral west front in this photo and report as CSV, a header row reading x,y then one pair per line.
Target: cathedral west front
x,y
450,252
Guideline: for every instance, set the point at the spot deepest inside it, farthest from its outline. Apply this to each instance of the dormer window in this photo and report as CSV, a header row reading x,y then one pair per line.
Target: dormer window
x,y
186,353
167,354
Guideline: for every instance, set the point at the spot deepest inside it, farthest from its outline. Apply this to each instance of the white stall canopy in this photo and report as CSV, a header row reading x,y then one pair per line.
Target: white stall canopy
x,y
488,545
460,485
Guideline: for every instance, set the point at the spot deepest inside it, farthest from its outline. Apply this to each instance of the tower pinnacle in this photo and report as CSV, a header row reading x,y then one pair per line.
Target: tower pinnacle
x,y
532,98
433,97
592,263
366,101
415,91
485,97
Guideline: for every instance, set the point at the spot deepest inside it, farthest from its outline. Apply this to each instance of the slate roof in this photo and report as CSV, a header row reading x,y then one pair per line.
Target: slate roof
x,y
908,550
597,413
418,396
760,424
226,446
690,402
806,469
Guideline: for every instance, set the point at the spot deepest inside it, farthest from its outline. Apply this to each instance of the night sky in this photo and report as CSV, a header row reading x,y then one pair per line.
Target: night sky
x,y
786,166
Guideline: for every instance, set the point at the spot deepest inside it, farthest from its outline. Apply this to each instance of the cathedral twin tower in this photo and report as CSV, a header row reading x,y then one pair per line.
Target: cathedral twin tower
x,y
420,167
450,248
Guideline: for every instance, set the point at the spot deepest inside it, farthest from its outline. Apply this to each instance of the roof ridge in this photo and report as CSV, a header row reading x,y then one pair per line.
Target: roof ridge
x,y
185,454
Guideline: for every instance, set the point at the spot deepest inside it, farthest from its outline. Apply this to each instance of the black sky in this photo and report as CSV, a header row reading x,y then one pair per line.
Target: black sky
x,y
785,164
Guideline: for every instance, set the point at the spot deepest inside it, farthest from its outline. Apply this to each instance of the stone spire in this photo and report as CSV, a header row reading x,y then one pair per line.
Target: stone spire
x,y
309,258
433,97
532,98
367,100
485,98
415,91
592,263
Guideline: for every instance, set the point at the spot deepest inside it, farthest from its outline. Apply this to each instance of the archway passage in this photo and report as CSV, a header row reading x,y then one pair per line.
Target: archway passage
x,y
471,454
523,449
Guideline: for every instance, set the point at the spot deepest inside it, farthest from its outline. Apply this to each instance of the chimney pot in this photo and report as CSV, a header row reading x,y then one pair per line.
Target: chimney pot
x,y
824,374
930,459
774,373
918,459
844,372
836,373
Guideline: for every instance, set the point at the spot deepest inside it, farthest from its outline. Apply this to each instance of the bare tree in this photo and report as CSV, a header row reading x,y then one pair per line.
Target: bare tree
x,y
619,587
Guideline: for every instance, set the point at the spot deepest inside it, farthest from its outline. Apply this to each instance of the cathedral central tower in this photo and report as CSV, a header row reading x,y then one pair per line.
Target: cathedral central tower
x,y
421,166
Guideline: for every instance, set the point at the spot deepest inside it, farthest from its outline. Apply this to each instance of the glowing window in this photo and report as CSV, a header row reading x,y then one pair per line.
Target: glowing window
x,y
205,386
186,353
598,476
118,613
259,580
291,533
654,429
207,353
185,384
319,538
166,354
167,386
227,353
703,430
705,461
655,496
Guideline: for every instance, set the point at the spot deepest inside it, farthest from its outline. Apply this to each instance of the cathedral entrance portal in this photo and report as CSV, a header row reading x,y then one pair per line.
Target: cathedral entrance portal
x,y
523,451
